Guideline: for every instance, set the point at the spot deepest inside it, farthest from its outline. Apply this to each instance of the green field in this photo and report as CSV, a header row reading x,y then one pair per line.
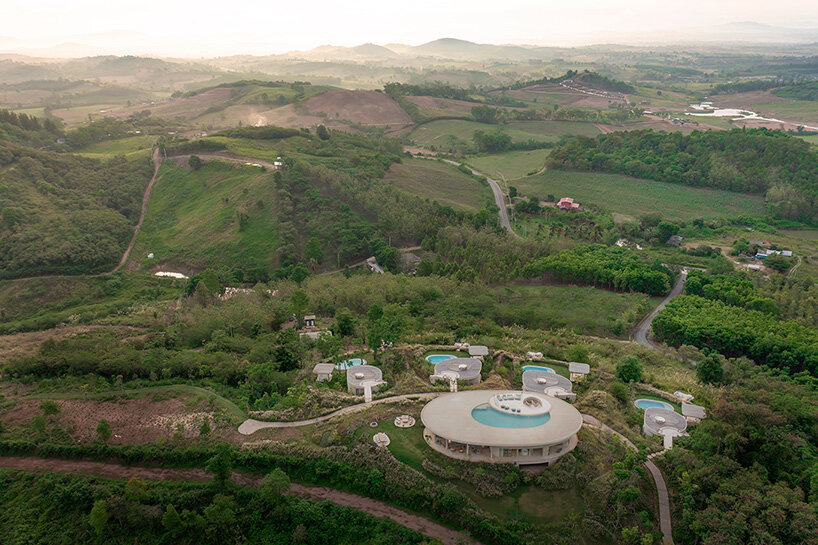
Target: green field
x,y
192,217
442,132
805,111
439,182
124,146
581,309
509,165
634,197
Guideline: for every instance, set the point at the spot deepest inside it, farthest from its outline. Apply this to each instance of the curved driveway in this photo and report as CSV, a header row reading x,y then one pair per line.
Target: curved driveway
x,y
642,330
499,198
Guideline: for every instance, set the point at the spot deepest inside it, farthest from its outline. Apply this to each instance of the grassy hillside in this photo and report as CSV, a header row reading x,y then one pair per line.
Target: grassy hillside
x,y
439,182
64,213
193,216
634,197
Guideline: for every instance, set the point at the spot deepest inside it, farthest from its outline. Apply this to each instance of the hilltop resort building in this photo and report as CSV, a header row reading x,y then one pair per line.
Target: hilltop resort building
x,y
501,426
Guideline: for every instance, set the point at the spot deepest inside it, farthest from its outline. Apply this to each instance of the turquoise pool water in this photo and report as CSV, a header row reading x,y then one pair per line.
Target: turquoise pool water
x,y
537,368
488,416
350,363
437,358
648,403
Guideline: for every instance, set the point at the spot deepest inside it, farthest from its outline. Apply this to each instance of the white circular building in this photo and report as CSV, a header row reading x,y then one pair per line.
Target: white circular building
x,y
501,426
547,382
463,369
363,380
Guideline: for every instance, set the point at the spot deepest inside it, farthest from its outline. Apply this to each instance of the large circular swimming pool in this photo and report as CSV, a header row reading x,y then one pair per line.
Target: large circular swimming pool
x,y
490,417
648,403
437,358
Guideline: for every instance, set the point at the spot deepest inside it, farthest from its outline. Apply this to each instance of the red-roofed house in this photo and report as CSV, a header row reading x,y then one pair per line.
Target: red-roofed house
x,y
567,203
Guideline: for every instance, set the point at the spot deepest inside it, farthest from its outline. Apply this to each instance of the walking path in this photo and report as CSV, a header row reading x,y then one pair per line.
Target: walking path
x,y
251,425
791,273
661,487
145,198
110,470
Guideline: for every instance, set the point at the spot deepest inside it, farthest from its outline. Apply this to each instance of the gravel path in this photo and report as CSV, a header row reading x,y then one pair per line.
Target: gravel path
x,y
251,425
110,470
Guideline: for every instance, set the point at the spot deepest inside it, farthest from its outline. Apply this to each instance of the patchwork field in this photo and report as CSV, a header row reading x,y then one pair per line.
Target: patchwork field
x,y
439,182
634,197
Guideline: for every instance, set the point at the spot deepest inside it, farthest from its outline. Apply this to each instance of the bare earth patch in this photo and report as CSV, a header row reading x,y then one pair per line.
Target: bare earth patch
x,y
365,107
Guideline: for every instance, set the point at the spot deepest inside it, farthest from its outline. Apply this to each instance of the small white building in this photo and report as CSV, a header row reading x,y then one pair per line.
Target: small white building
x,y
478,351
693,413
323,371
309,321
577,370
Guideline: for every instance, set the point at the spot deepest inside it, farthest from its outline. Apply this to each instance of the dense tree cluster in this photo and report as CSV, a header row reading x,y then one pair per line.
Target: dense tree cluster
x,y
65,214
732,289
801,91
749,472
734,332
607,267
752,161
28,130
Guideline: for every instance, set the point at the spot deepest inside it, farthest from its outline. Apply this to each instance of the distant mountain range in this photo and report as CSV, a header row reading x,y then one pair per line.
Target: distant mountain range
x,y
135,43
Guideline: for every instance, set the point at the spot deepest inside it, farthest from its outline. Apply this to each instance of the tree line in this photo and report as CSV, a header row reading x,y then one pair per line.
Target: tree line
x,y
744,160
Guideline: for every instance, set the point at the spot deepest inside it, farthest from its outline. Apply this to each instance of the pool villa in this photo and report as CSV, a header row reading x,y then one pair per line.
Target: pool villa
x,y
364,380
501,426
537,379
457,369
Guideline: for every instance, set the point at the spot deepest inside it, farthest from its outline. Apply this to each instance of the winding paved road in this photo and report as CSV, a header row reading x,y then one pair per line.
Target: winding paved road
x,y
499,198
641,334
111,470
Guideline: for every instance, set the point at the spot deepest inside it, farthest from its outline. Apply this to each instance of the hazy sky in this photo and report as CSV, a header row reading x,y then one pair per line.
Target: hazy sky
x,y
300,24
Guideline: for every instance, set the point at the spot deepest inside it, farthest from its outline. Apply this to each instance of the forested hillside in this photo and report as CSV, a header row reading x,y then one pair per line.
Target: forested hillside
x,y
65,213
751,161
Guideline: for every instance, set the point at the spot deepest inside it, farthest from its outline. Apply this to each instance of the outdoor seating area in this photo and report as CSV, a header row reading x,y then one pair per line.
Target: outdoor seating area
x,y
404,421
381,439
538,380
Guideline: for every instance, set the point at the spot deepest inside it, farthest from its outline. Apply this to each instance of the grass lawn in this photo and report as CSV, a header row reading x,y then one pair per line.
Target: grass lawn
x,y
583,309
536,505
439,182
122,146
548,131
634,197
509,165
192,217
438,133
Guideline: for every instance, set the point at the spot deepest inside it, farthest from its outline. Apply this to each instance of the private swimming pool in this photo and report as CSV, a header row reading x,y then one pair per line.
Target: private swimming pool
x,y
352,362
537,368
648,403
437,358
485,414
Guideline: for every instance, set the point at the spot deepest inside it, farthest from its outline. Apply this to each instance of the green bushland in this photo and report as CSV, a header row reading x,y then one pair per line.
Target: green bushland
x,y
604,266
735,331
42,303
509,165
65,214
729,288
369,472
749,161
28,130
759,436
440,182
52,508
801,91
635,197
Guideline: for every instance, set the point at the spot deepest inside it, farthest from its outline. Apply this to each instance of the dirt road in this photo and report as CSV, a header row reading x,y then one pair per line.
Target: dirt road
x,y
145,198
110,470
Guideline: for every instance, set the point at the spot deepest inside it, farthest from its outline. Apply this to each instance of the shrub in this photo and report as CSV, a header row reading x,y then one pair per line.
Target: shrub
x,y
628,369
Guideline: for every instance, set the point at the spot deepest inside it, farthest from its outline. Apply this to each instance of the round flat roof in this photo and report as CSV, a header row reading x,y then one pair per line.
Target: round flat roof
x,y
361,373
657,418
450,416
466,368
539,381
